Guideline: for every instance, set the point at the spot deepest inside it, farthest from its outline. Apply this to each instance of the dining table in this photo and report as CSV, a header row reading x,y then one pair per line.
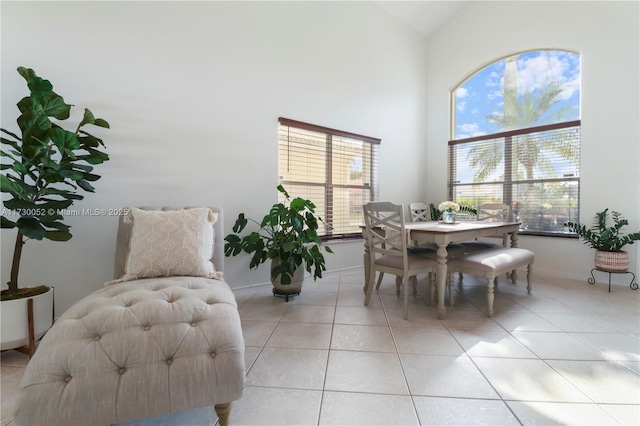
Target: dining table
x,y
442,234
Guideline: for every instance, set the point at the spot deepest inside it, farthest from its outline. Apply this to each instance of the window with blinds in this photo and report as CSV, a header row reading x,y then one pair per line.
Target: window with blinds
x,y
535,170
516,139
337,170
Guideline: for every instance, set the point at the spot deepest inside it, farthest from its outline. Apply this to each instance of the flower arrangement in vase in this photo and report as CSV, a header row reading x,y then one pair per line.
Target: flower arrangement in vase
x,y
449,210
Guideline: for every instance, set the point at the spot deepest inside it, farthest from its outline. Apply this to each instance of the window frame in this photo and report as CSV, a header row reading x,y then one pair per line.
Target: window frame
x,y
510,184
509,181
329,184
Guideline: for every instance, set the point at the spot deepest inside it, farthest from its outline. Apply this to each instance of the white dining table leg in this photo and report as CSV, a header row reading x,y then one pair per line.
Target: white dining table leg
x,y
366,264
441,279
514,244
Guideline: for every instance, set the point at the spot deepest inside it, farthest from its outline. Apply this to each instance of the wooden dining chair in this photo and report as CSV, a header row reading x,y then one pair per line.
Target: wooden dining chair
x,y
419,212
387,247
490,212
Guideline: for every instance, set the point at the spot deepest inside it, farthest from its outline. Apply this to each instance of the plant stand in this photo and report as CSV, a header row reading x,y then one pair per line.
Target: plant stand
x,y
633,284
30,348
286,295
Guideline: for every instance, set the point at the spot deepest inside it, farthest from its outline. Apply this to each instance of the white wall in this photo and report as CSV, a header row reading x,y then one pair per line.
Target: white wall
x,y
193,91
607,36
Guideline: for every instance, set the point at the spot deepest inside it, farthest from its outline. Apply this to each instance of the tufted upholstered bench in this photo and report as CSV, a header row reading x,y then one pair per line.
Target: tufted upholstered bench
x,y
490,264
137,349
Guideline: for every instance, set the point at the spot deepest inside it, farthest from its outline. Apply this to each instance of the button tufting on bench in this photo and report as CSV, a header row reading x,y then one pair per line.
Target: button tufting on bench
x,y
490,264
97,337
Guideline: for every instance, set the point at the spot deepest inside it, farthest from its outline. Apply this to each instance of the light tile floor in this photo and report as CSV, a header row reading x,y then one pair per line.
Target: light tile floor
x,y
568,353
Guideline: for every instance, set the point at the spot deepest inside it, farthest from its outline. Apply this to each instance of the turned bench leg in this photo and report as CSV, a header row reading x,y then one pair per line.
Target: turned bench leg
x,y
223,411
491,279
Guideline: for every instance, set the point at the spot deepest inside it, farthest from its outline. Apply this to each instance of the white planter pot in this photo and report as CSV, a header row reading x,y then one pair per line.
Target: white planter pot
x,y
287,289
15,323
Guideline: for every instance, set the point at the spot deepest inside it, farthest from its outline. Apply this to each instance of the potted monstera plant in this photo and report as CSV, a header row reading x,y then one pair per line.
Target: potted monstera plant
x,y
288,237
607,239
44,166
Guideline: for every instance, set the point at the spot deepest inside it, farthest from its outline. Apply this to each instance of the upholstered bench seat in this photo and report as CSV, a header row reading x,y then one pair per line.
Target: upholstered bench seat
x,y
137,349
163,337
490,264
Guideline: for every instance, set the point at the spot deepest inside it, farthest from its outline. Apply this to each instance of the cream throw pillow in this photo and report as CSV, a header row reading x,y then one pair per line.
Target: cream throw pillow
x,y
170,243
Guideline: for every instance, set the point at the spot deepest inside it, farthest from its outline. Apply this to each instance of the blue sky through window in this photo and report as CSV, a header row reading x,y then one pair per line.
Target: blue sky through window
x,y
482,94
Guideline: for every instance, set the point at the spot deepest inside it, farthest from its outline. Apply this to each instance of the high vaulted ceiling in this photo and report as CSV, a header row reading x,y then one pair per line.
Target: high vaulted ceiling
x,y
425,16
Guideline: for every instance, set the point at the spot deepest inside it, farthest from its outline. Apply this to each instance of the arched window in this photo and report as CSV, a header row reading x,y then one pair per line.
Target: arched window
x,y
516,139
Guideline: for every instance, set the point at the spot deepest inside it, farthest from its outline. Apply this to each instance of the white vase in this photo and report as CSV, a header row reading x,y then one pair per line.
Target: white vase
x,y
15,325
448,216
287,289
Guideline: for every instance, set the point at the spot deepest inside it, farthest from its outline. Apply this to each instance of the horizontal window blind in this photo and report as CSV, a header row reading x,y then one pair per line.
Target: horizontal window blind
x,y
335,169
535,170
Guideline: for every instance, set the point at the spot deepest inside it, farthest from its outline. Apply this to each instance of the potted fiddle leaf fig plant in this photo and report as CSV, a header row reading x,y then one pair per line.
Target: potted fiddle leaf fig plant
x,y
44,166
288,236
607,239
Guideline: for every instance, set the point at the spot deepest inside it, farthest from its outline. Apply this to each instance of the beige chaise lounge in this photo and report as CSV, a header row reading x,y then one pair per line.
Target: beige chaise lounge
x,y
142,347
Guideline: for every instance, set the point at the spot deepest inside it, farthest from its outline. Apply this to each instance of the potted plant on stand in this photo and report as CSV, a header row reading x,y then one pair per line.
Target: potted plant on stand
x,y
288,237
607,240
42,172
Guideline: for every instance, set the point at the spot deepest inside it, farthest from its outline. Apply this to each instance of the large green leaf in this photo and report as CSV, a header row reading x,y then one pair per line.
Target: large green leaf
x,y
34,124
54,106
65,140
85,185
101,123
94,156
240,224
30,227
15,144
39,86
89,118
7,224
26,73
21,205
71,174
89,140
9,186
58,235
90,177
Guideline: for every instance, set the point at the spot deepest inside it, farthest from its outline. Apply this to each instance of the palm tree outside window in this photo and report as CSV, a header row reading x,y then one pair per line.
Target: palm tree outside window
x,y
516,139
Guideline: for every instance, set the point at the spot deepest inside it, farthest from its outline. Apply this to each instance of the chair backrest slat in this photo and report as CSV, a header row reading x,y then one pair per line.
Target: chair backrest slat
x,y
494,212
420,212
384,226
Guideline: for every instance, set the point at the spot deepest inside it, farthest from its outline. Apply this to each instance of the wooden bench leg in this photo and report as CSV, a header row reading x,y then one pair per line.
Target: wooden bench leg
x,y
529,278
432,288
223,411
490,295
